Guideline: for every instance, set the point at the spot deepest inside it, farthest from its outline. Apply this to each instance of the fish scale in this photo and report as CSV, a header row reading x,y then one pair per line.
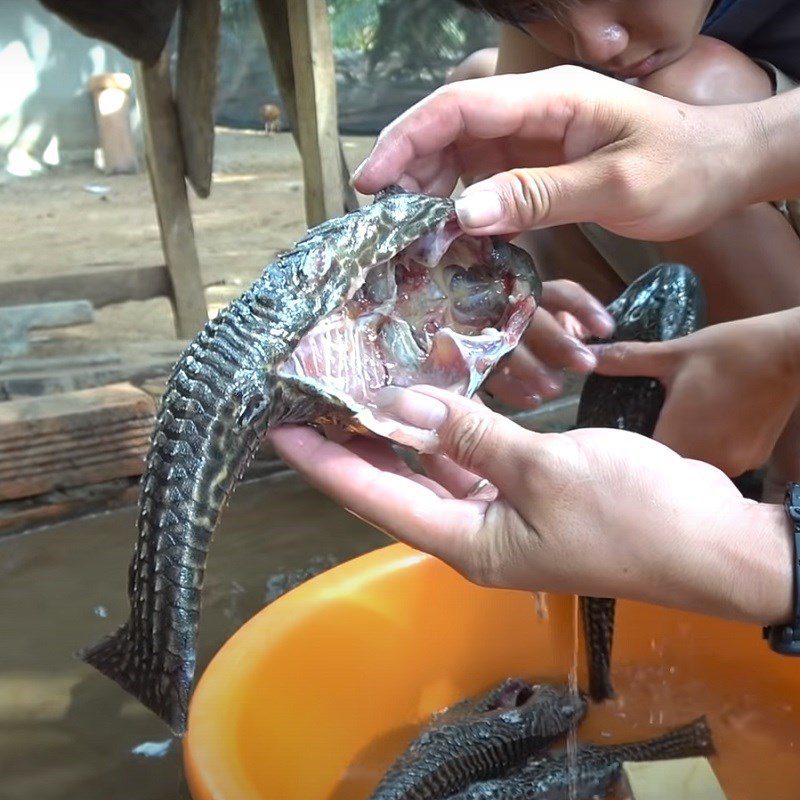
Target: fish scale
x,y
663,304
593,769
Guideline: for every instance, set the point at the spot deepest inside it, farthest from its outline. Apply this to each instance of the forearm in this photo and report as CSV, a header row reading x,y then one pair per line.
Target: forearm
x,y
742,571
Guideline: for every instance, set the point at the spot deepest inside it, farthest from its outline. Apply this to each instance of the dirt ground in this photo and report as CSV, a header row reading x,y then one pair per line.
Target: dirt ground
x,y
61,222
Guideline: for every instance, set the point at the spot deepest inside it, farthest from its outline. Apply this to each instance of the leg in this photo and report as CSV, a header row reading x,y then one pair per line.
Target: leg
x,y
750,260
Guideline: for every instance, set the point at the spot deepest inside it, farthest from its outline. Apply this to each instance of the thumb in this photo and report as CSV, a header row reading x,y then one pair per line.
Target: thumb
x,y
471,435
646,359
522,199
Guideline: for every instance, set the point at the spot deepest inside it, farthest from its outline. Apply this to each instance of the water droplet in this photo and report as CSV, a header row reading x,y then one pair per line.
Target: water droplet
x,y
152,749
101,611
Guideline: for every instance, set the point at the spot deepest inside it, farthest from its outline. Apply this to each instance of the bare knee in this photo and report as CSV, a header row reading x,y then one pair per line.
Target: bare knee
x,y
480,64
711,73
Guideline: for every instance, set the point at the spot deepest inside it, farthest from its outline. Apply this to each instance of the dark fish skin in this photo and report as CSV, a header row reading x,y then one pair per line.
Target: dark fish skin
x,y
594,768
481,739
665,303
219,400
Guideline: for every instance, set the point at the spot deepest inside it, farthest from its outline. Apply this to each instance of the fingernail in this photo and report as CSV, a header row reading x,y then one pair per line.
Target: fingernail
x,y
585,356
479,209
412,407
358,170
605,323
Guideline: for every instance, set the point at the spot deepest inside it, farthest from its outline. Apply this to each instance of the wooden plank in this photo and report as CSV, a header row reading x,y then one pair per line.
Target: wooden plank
x,y
164,157
56,506
317,119
101,287
75,439
195,88
274,18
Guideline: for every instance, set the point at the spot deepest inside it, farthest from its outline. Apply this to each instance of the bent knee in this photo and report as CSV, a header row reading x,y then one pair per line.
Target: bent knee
x,y
711,73
480,64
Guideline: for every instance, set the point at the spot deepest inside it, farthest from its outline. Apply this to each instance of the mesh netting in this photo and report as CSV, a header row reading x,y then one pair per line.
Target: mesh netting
x,y
389,54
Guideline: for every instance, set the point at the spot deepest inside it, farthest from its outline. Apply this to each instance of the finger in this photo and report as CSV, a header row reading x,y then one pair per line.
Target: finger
x,y
512,392
553,346
402,508
477,439
380,454
457,480
564,295
528,199
531,373
647,359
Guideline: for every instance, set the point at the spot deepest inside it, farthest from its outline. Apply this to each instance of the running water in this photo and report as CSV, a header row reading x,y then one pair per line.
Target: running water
x,y
572,736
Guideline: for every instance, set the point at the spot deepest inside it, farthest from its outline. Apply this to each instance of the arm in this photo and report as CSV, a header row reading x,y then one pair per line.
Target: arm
x,y
603,513
607,152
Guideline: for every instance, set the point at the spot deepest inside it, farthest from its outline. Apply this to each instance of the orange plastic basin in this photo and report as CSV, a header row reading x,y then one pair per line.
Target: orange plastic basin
x,y
316,695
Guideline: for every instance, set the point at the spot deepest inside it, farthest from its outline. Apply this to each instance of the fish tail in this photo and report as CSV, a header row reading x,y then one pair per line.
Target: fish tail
x,y
118,657
598,629
689,740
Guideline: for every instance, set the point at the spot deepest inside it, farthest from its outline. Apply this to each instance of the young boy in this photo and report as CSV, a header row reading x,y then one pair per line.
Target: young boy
x,y
699,52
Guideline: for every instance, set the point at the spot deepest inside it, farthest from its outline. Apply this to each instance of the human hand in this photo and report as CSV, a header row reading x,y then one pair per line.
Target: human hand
x,y
730,388
571,145
595,511
567,314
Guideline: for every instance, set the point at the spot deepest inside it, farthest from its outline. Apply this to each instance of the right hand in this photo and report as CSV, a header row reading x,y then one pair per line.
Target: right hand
x,y
553,342
569,145
599,512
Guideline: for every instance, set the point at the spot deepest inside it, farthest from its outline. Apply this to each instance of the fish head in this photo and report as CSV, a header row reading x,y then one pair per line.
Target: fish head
x,y
425,304
556,708
665,303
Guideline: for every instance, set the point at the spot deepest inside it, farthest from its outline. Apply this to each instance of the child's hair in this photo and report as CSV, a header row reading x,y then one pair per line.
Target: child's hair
x,y
517,12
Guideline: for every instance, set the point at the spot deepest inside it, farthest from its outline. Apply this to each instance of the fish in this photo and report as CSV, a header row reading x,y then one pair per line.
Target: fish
x,y
593,769
665,303
483,738
393,294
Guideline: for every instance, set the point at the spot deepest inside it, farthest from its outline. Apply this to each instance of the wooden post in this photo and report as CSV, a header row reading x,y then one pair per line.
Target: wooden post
x,y
165,167
274,18
196,87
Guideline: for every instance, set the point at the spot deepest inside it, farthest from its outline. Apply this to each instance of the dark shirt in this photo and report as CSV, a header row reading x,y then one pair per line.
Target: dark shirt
x,y
765,29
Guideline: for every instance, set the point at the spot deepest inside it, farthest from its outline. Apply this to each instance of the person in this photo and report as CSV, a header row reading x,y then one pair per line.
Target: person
x,y
598,512
700,52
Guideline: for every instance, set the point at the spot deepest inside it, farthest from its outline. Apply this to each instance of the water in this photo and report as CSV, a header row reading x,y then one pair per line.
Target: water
x,y
572,736
67,732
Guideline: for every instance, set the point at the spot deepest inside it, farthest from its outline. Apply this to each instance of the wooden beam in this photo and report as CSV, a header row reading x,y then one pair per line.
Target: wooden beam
x,y
196,87
165,168
73,439
274,18
101,286
17,321
317,116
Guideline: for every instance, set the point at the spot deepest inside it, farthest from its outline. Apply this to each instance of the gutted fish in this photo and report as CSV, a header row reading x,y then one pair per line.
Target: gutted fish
x,y
593,769
479,739
665,303
391,295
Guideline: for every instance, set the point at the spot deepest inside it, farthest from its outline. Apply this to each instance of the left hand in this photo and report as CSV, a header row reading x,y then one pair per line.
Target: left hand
x,y
731,388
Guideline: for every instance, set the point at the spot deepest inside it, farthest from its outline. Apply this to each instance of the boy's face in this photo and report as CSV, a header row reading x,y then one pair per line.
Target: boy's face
x,y
628,38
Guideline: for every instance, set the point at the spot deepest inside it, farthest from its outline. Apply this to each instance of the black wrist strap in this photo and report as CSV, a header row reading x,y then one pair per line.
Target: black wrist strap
x,y
785,639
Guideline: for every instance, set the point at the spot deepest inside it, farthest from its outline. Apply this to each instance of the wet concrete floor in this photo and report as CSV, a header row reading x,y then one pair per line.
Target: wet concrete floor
x,y
67,732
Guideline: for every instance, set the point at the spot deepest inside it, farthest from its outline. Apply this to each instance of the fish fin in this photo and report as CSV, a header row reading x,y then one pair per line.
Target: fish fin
x,y
598,631
166,694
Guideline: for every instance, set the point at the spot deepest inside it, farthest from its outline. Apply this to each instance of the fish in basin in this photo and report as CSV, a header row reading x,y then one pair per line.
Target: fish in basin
x,y
393,294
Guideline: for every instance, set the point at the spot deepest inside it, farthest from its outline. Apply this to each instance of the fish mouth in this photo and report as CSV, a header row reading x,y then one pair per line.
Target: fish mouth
x,y
442,312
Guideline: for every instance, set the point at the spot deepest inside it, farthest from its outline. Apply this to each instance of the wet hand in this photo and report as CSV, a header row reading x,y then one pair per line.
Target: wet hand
x,y
730,388
598,512
567,315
